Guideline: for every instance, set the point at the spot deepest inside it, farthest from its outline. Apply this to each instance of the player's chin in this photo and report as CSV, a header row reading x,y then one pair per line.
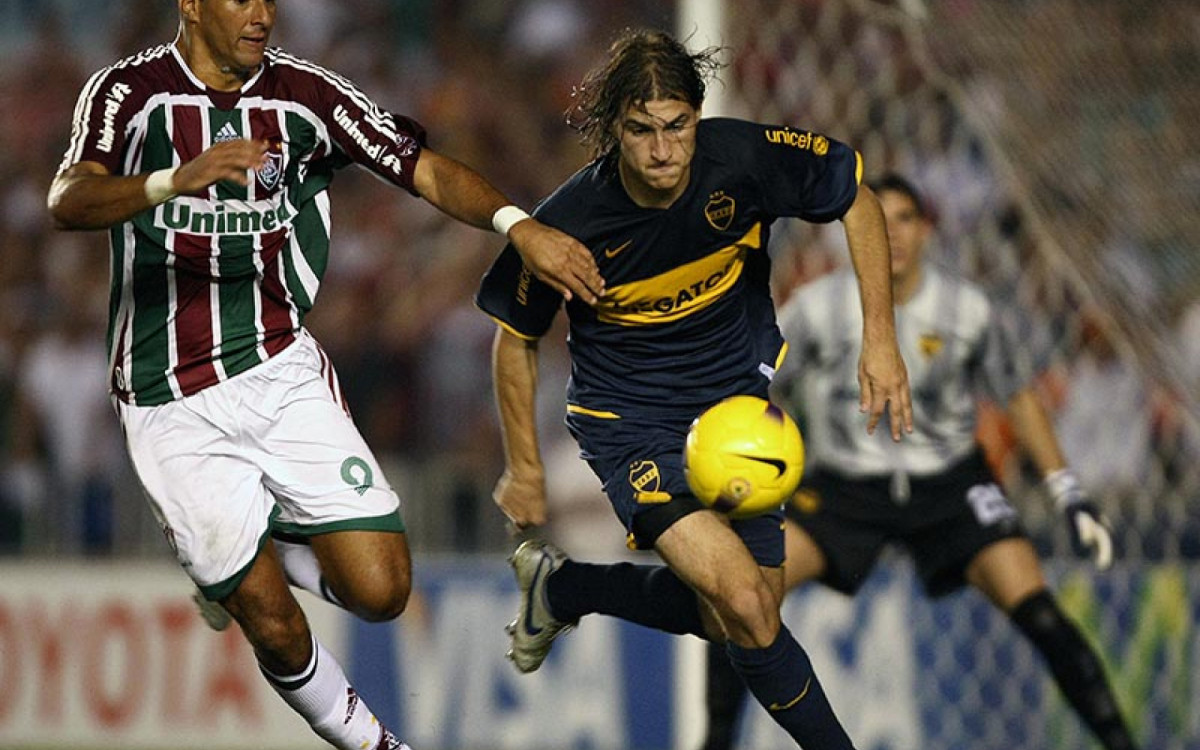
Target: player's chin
x,y
250,53
664,179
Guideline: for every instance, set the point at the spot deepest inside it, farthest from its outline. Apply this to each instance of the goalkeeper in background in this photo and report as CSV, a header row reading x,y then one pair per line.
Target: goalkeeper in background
x,y
932,494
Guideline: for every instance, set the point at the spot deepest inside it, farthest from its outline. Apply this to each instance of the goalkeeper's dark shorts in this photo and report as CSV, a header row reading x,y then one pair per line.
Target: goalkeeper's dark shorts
x,y
945,522
640,463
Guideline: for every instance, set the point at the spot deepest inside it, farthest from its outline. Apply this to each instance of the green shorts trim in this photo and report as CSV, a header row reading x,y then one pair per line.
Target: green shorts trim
x,y
391,522
387,522
217,591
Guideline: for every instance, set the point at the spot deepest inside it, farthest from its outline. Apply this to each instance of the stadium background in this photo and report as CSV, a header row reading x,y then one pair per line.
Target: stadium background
x,y
1053,138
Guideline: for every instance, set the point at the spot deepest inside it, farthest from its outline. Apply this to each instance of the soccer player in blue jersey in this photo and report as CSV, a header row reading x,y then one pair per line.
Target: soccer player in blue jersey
x,y
677,212
209,159
934,495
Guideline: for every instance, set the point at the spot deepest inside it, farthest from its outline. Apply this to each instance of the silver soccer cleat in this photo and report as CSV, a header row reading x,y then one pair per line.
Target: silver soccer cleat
x,y
534,630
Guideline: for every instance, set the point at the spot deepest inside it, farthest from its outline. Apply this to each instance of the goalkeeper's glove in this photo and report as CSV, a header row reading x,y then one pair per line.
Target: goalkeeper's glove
x,y
1090,536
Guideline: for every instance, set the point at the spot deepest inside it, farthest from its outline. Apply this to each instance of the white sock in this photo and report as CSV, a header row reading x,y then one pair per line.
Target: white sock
x,y
303,571
323,696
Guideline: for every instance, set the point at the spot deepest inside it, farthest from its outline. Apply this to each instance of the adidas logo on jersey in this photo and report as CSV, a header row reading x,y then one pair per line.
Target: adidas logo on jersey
x,y
226,133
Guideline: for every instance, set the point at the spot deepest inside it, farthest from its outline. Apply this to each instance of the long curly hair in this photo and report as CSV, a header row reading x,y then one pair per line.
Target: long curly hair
x,y
641,66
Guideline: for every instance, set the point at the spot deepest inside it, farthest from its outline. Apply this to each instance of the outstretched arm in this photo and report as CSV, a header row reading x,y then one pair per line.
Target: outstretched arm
x,y
87,196
882,376
1036,432
521,491
1090,536
554,257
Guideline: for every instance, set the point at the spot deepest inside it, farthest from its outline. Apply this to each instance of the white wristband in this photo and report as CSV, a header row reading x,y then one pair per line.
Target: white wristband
x,y
160,186
505,217
1064,488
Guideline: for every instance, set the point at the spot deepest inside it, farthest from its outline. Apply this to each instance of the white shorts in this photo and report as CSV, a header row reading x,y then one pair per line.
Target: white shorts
x,y
272,447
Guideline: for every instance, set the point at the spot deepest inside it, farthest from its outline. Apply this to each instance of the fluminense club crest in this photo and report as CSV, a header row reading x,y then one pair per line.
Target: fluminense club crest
x,y
270,173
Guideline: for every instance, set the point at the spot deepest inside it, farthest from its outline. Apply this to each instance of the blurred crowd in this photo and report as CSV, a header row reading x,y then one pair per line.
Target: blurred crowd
x,y
490,80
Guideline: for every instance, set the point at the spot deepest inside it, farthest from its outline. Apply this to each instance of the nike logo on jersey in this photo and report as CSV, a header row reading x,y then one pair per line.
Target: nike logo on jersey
x,y
613,252
779,466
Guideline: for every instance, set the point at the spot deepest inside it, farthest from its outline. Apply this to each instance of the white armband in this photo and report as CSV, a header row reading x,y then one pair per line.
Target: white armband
x,y
160,186
505,217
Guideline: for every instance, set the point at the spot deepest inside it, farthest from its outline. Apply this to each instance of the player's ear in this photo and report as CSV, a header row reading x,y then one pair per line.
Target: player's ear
x,y
188,11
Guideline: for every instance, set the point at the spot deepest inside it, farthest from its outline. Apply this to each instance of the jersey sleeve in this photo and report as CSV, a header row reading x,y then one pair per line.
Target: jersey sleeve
x,y
512,296
100,124
800,173
387,144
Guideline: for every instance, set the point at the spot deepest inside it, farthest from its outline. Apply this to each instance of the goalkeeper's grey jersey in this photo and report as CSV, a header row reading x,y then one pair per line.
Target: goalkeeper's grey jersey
x,y
955,350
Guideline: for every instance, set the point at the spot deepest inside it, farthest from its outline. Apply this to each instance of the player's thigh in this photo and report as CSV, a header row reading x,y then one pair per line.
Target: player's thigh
x,y
706,554
692,545
370,571
640,463
322,473
315,461
804,559
330,487
207,495
1007,572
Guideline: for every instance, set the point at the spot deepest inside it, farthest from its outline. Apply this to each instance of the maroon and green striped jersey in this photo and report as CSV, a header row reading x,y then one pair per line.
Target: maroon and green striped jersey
x,y
207,286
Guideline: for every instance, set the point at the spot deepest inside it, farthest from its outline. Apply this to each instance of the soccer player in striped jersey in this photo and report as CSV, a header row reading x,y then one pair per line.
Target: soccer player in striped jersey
x,y
677,211
933,494
209,160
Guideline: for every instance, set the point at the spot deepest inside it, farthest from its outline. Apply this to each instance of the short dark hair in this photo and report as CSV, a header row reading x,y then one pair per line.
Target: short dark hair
x,y
641,66
896,183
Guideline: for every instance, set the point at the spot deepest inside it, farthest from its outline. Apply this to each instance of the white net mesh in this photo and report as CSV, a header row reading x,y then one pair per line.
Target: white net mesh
x,y
1050,136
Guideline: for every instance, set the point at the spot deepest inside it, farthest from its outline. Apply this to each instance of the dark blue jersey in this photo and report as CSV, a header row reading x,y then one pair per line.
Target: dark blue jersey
x,y
688,317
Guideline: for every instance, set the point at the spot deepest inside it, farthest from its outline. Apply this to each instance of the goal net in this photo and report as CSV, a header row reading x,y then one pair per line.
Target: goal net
x,y
1050,137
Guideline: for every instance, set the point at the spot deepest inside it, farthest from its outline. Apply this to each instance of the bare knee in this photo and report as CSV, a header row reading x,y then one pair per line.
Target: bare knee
x,y
380,598
376,592
750,614
370,572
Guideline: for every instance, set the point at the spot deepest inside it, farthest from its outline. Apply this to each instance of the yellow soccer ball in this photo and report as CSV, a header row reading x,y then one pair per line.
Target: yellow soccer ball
x,y
743,457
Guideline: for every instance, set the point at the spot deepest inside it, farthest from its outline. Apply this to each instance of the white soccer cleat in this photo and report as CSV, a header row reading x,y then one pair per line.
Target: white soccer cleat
x,y
213,613
534,630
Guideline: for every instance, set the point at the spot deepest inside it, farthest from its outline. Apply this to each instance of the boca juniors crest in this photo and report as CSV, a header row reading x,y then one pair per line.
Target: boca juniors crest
x,y
719,210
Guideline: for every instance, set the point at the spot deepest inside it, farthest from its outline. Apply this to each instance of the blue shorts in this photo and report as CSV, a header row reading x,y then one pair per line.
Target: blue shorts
x,y
640,463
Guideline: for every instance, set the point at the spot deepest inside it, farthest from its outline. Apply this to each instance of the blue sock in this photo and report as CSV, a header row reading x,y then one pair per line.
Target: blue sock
x,y
782,679
649,595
